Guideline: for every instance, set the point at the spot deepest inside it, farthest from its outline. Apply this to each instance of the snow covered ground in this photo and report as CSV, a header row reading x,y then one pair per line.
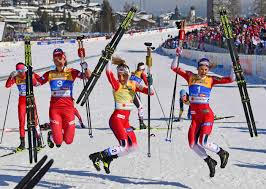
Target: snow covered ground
x,y
171,165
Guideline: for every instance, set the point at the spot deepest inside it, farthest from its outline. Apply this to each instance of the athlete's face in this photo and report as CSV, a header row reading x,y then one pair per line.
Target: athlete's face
x,y
20,73
185,98
203,70
59,60
142,70
123,78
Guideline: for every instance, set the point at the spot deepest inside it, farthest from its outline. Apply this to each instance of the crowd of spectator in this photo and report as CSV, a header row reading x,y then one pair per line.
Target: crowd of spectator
x,y
249,37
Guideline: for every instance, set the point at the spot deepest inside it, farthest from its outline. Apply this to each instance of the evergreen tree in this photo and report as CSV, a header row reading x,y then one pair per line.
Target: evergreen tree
x,y
64,16
41,24
106,22
45,20
69,23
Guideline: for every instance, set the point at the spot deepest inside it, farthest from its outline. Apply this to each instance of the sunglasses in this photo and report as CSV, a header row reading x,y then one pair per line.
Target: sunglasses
x,y
20,71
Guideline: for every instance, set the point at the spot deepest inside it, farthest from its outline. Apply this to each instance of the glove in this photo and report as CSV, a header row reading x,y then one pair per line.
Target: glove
x,y
13,74
178,51
150,80
84,65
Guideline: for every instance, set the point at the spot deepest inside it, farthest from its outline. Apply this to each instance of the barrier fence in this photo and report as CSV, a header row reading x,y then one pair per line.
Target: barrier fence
x,y
254,65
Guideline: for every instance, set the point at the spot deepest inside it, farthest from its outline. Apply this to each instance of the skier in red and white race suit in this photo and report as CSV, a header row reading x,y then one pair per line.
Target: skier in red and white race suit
x,y
138,76
200,86
46,126
62,110
124,92
18,77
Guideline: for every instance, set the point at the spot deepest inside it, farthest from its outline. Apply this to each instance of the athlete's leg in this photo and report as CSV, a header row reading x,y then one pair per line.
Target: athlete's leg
x,y
138,104
68,125
193,140
56,125
205,131
124,134
21,116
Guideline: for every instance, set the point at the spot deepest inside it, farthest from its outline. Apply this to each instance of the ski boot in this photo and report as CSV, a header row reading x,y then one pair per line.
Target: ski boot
x,y
106,159
39,144
211,164
95,158
141,124
45,126
177,120
49,141
21,147
224,155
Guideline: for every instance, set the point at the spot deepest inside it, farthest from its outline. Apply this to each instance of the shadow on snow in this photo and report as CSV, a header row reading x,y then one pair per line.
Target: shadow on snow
x,y
245,129
250,150
5,179
113,178
252,166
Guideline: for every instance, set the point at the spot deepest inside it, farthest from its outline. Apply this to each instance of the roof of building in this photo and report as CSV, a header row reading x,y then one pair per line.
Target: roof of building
x,y
7,8
16,21
7,13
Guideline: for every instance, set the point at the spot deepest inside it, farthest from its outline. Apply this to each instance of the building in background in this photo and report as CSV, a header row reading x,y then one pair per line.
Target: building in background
x,y
142,20
192,15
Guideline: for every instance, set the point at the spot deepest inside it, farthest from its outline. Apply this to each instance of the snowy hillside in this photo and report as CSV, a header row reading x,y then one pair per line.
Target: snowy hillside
x,y
172,165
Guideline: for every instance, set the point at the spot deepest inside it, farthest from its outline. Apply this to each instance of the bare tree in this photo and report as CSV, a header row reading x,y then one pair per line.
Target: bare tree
x,y
127,6
259,7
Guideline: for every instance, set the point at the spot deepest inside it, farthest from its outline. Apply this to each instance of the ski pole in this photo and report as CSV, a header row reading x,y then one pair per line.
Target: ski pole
x,y
81,54
4,125
181,27
149,65
38,127
171,116
160,104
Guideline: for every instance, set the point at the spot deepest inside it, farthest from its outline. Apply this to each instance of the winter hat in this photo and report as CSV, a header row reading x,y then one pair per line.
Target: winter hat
x,y
20,66
182,93
58,52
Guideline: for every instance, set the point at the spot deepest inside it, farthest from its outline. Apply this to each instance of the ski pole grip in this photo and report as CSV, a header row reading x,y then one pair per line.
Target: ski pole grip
x,y
81,52
182,34
149,61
